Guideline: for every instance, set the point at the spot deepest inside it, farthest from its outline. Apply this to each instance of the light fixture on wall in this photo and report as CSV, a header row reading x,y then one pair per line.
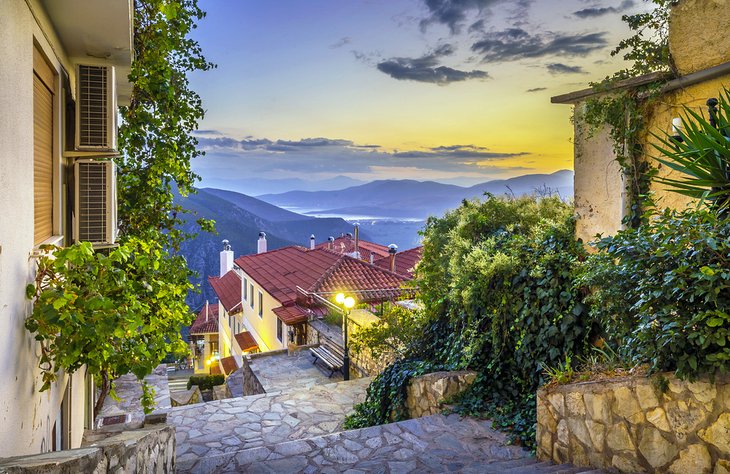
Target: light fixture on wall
x,y
677,129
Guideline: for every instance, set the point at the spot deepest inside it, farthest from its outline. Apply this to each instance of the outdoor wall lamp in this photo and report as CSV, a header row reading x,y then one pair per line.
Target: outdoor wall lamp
x,y
347,303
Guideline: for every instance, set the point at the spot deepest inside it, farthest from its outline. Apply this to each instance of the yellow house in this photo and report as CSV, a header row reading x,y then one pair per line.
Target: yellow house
x,y
52,51
700,49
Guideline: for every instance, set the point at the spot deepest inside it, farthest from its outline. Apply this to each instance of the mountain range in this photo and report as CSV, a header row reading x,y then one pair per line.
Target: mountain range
x,y
414,199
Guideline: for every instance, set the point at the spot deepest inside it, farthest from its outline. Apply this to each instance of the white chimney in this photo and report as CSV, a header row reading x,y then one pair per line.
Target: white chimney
x,y
357,240
206,311
262,242
392,250
372,258
311,242
226,258
331,242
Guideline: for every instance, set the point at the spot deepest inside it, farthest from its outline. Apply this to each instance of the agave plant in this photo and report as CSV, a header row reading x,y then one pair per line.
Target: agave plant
x,y
701,152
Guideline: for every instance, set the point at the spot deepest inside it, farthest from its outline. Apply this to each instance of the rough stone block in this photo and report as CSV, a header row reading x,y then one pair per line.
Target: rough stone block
x,y
618,438
658,418
597,406
718,433
695,459
626,406
655,448
646,394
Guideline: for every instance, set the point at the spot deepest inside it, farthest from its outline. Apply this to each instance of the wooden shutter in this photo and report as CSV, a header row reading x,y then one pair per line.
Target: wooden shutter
x,y
43,80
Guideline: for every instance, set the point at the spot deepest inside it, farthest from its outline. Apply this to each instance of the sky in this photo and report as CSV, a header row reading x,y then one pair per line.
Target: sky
x,y
327,93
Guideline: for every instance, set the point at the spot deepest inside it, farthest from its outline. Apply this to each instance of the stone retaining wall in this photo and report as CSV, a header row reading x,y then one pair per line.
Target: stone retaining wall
x,y
427,393
146,450
251,383
187,397
630,425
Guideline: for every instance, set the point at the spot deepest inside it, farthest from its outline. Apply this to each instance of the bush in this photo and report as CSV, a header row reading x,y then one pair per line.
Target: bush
x,y
497,283
206,382
663,292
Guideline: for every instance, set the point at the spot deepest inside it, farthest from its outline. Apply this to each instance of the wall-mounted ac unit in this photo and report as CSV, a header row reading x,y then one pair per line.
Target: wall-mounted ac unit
x,y
96,108
95,206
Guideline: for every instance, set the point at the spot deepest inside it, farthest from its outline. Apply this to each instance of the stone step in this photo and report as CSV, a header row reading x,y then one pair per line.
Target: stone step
x,y
435,443
235,424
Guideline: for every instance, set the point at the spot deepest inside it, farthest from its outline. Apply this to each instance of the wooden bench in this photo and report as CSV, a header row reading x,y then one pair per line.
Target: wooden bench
x,y
330,355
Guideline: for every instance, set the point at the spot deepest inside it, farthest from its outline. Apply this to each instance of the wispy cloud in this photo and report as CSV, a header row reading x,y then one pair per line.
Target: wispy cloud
x,y
560,68
341,42
597,11
536,89
516,43
427,68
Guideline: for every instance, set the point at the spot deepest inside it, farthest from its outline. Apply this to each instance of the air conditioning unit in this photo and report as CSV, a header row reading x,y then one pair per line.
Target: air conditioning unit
x,y
96,108
95,206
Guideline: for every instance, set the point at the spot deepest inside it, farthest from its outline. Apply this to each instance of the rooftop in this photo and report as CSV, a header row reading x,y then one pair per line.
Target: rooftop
x,y
346,244
207,321
405,261
228,289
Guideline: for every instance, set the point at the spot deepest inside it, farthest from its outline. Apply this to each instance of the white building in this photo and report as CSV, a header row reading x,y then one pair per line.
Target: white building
x,y
43,42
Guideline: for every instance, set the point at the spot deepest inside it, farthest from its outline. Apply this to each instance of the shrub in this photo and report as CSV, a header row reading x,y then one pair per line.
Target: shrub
x,y
206,382
497,283
663,292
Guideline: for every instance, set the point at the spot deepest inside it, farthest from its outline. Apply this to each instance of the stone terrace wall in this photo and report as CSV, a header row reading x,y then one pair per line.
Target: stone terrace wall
x,y
251,383
427,393
627,424
146,450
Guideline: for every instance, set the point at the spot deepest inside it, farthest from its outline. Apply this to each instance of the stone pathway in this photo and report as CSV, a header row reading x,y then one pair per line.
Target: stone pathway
x,y
211,429
435,443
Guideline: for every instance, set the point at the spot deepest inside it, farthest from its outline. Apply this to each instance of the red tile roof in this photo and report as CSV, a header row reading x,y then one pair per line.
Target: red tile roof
x,y
280,271
246,341
346,245
215,369
405,261
228,364
203,326
291,315
228,289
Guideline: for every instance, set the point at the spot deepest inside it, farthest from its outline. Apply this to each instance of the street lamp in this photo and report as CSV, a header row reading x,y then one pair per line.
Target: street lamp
x,y
347,303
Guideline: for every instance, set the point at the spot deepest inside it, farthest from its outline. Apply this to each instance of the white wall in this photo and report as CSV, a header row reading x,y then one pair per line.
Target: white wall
x,y
263,329
26,416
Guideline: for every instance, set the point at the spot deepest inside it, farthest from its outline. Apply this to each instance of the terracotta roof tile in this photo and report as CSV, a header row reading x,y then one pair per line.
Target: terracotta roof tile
x,y
405,261
228,289
215,369
346,245
228,364
366,281
203,325
291,315
246,341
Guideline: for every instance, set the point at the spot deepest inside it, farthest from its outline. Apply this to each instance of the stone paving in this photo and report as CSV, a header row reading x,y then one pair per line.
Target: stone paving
x,y
129,392
290,371
226,426
436,443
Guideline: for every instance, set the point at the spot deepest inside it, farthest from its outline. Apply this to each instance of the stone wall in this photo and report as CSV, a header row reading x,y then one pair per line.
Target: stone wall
x,y
427,393
630,425
187,397
146,450
251,383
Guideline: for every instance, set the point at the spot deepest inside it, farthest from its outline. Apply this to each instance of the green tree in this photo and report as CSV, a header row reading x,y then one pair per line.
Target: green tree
x,y
122,312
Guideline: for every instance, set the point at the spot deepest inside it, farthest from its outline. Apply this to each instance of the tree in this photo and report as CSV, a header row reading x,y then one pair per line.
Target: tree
x,y
122,311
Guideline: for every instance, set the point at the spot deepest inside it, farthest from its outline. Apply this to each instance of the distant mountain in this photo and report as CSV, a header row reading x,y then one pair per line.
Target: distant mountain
x,y
414,199
239,219
255,187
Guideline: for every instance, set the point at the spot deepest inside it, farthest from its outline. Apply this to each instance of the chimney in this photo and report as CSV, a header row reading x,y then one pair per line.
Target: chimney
x,y
311,242
392,250
226,262
372,258
262,242
206,311
357,240
331,242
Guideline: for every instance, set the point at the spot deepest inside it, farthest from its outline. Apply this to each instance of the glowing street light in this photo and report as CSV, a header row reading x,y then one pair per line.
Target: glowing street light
x,y
347,303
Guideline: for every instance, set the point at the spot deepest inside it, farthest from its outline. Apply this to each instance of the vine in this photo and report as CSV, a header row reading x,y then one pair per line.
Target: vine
x,y
625,111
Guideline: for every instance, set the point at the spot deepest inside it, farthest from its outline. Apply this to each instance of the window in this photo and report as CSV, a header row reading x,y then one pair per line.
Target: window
x,y
279,330
43,137
245,289
250,292
261,305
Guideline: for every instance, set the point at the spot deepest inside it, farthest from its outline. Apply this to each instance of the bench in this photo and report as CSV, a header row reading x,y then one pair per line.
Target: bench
x,y
331,356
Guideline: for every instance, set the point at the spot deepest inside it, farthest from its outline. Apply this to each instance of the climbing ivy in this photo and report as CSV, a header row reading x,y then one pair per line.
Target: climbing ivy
x,y
499,295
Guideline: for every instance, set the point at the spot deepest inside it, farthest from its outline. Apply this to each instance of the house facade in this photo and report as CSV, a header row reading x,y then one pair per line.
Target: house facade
x,y
700,49
51,51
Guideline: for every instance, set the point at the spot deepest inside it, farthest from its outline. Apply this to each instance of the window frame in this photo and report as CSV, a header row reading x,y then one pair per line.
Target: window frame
x,y
261,305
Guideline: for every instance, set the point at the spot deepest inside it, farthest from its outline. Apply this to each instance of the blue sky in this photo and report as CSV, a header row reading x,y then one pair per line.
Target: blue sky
x,y
449,90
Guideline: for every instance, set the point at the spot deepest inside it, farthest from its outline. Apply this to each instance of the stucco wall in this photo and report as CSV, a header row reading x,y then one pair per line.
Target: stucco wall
x,y
699,38
26,415
630,425
263,329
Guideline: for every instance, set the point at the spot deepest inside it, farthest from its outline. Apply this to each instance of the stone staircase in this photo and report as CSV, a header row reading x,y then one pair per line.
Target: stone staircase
x,y
300,431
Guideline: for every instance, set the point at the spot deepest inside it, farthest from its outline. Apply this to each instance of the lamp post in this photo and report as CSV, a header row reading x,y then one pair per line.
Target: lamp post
x,y
347,303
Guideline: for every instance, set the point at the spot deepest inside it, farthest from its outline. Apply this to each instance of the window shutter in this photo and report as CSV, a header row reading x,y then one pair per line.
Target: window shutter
x,y
42,150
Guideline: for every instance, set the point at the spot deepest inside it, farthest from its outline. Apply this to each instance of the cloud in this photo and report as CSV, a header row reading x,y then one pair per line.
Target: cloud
x,y
516,43
326,157
536,89
341,42
593,12
560,68
427,69
452,13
